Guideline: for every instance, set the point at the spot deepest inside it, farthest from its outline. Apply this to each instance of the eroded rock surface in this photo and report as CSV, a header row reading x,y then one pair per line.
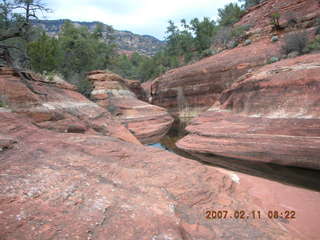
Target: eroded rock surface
x,y
271,115
80,186
147,122
194,88
293,14
191,89
60,109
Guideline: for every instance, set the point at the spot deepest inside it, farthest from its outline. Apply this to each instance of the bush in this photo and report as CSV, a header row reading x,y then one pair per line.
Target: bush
x,y
231,36
247,42
273,60
251,3
295,42
274,39
315,44
230,14
206,53
275,20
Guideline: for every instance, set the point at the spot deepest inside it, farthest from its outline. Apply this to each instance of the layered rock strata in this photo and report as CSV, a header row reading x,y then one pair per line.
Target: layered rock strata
x,y
294,14
147,122
57,185
57,107
194,88
191,89
271,115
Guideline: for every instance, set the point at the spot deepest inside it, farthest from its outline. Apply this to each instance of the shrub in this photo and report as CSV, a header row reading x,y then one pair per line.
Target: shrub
x,y
251,3
317,31
232,44
230,14
275,18
206,53
292,22
1,104
273,60
247,42
315,44
231,36
274,39
295,42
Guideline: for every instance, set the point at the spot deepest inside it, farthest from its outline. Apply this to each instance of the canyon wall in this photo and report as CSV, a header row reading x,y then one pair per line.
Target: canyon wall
x,y
191,89
270,115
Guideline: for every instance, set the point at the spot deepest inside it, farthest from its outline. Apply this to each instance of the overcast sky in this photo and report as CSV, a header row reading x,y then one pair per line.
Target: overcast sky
x,y
139,16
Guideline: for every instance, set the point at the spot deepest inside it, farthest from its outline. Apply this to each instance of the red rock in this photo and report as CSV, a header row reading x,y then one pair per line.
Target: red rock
x,y
80,186
62,109
304,12
147,122
136,88
194,88
271,115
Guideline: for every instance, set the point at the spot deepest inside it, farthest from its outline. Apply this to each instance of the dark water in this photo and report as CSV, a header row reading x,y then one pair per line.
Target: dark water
x,y
304,178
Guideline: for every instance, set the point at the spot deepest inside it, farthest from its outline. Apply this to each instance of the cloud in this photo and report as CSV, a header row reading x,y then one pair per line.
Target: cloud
x,y
142,17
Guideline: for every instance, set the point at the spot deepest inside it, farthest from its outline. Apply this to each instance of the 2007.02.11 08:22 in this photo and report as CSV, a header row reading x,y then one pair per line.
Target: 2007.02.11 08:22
x,y
241,214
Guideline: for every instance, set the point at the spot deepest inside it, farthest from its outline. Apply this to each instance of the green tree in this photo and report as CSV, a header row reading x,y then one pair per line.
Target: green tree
x,y
82,51
250,3
43,54
16,29
204,32
230,14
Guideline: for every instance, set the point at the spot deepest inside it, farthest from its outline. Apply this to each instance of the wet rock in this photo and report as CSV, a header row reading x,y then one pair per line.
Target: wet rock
x,y
79,186
271,115
147,122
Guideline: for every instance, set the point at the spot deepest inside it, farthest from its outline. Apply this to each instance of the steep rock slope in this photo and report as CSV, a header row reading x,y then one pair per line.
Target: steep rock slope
x,y
58,107
147,122
271,115
82,186
194,88
293,14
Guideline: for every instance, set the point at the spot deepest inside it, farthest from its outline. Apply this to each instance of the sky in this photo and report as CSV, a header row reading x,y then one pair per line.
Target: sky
x,y
145,17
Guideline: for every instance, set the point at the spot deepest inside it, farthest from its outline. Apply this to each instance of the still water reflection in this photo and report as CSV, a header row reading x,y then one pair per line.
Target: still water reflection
x,y
299,177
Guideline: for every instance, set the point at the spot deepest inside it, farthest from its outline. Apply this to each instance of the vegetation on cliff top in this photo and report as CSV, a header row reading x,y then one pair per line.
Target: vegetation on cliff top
x,y
77,50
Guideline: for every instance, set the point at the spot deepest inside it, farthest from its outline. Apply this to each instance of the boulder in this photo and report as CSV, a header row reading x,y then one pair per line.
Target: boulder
x,y
147,122
270,115
58,107
59,186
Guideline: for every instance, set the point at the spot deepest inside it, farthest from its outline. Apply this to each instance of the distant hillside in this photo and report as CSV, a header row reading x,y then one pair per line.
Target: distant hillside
x,y
126,41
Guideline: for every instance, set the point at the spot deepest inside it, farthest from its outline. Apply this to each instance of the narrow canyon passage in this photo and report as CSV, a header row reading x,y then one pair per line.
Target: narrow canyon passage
x,y
300,177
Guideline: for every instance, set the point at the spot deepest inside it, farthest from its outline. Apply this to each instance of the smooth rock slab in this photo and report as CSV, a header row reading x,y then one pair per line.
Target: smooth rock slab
x,y
78,186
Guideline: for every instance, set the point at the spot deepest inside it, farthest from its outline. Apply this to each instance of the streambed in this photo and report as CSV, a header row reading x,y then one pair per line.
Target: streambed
x,y
300,177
